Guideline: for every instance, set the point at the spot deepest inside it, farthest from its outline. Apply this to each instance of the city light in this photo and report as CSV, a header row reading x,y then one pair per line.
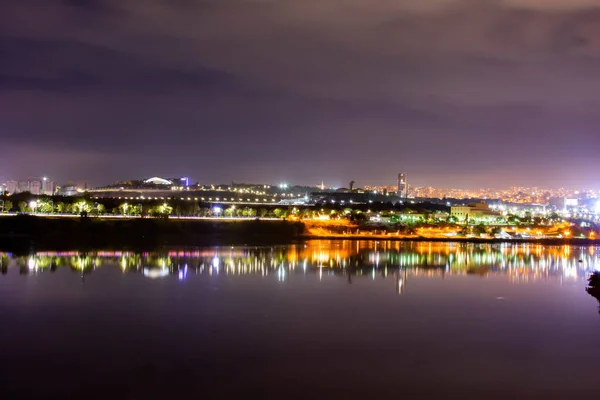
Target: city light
x,y
154,273
530,261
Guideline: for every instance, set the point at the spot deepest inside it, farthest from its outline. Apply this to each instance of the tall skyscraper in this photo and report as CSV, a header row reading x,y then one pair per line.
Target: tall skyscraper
x,y
402,191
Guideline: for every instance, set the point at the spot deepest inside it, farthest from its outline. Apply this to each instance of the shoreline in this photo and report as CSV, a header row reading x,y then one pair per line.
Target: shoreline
x,y
27,233
33,233
455,239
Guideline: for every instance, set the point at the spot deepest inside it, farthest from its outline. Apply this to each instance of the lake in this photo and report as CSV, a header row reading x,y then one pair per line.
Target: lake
x,y
322,319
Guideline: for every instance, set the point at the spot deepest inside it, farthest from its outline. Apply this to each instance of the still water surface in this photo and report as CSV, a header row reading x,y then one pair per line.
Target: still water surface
x,y
325,319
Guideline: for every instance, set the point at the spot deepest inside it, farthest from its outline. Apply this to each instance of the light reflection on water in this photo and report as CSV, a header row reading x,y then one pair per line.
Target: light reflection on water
x,y
237,322
519,262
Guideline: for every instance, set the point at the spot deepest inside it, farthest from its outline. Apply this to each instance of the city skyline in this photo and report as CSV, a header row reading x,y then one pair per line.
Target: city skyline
x,y
390,185
515,194
469,92
335,182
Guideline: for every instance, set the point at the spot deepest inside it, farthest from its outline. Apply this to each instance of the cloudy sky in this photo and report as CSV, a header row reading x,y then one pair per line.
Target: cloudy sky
x,y
463,93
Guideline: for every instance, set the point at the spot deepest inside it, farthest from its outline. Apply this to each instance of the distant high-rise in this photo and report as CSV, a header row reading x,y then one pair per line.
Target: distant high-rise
x,y
48,186
12,187
35,187
23,187
402,191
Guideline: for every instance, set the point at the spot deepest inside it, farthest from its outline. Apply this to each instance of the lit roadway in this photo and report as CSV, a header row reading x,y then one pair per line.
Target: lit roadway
x,y
214,201
108,216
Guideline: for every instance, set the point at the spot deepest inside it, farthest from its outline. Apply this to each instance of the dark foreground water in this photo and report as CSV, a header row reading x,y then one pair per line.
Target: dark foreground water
x,y
329,319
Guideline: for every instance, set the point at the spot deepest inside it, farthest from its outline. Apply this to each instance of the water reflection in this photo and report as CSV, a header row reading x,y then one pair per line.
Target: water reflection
x,y
350,259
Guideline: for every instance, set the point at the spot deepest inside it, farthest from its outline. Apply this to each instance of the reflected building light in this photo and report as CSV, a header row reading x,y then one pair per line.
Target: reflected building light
x,y
154,273
183,273
400,286
521,263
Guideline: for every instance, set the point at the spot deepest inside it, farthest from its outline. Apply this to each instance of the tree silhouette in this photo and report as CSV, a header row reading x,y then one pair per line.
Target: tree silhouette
x,y
593,288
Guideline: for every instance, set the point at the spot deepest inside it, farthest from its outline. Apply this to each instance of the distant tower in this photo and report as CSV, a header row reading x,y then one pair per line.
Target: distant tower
x,y
351,185
402,186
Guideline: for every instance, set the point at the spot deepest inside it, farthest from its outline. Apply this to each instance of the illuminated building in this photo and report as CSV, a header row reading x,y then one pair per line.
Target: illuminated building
x,y
48,187
23,187
473,211
341,196
69,190
402,190
12,187
158,181
35,187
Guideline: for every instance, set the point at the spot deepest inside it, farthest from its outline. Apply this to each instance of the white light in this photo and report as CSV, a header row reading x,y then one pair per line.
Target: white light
x,y
155,273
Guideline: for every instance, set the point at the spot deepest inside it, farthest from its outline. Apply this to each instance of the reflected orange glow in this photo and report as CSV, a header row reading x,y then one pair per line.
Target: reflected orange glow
x,y
520,261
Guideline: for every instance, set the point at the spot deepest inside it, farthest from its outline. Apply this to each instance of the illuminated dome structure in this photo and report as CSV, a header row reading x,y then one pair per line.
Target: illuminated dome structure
x,y
158,181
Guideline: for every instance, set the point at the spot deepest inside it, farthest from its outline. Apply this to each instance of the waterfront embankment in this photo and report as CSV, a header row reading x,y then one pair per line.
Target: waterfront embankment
x,y
24,232
27,233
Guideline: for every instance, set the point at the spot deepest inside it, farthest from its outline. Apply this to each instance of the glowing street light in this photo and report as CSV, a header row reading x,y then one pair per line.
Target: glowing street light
x,y
163,208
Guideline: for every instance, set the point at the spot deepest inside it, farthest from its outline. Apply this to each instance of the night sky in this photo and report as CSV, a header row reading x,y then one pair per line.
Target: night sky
x,y
456,93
